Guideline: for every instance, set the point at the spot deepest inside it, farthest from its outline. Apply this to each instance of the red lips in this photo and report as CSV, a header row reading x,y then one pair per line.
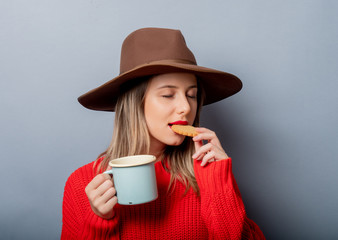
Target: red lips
x,y
178,123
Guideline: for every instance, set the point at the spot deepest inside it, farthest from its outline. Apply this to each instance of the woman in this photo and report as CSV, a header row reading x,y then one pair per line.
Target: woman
x,y
159,85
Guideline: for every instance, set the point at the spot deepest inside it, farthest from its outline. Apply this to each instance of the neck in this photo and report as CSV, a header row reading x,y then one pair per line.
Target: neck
x,y
156,149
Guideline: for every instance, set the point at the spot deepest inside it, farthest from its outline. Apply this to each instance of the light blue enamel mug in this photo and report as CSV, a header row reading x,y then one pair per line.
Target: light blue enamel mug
x,y
134,179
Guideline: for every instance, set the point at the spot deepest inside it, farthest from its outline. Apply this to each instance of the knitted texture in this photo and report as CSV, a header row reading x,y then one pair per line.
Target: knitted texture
x,y
218,213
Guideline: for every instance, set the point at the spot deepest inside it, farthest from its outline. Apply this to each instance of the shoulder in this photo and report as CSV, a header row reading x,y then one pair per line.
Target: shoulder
x,y
83,175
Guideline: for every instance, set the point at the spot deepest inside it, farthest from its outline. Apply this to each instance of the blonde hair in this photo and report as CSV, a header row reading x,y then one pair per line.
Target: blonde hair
x,y
131,136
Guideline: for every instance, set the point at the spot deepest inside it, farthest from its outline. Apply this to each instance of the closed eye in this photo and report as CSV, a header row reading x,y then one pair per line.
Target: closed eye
x,y
167,96
192,96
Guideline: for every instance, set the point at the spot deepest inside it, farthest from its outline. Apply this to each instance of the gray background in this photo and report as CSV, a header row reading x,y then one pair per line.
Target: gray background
x,y
281,129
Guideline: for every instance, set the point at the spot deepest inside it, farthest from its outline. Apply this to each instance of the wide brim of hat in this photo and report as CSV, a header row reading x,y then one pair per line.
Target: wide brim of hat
x,y
217,85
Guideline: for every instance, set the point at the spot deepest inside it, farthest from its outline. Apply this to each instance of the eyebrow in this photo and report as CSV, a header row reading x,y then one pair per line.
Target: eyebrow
x,y
173,86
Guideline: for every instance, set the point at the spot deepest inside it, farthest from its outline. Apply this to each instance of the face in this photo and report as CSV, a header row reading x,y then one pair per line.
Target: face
x,y
170,98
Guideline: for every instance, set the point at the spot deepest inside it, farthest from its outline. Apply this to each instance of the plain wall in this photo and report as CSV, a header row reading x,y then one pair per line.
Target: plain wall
x,y
281,129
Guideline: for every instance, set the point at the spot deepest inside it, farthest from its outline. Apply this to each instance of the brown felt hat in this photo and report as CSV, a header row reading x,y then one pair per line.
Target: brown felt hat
x,y
153,51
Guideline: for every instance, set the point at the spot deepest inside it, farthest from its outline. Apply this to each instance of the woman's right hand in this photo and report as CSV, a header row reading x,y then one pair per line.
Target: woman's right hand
x,y
101,194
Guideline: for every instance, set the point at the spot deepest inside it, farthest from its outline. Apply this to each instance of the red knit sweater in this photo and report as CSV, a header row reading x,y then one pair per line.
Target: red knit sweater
x,y
218,213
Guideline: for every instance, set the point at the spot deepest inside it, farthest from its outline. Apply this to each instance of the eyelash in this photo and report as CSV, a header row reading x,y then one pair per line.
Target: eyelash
x,y
170,96
167,96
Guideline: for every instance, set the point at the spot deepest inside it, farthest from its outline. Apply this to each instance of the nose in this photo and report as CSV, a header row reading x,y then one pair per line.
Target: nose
x,y
183,106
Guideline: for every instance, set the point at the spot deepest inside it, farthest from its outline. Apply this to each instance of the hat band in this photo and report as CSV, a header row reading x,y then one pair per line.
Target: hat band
x,y
173,61
163,62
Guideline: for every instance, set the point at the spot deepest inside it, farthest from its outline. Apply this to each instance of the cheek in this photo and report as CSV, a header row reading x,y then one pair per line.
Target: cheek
x,y
152,113
151,104
192,114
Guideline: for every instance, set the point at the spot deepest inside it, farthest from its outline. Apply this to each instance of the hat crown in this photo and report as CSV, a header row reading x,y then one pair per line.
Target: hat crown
x,y
151,51
154,44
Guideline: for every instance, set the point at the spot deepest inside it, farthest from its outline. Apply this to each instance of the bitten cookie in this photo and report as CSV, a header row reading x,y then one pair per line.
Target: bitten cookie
x,y
184,130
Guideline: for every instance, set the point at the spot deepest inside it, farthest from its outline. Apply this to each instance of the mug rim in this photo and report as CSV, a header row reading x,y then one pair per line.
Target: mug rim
x,y
121,162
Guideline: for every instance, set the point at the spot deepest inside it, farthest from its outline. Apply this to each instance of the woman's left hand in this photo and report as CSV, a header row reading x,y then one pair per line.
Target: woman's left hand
x,y
210,152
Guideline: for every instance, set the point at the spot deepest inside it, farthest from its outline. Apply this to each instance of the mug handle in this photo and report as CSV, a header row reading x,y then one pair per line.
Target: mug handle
x,y
110,172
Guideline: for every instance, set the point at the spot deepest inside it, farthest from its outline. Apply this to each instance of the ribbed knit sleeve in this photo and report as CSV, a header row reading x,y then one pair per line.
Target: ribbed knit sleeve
x,y
222,207
79,221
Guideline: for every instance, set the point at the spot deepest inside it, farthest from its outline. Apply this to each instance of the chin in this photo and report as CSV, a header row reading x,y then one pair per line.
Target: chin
x,y
176,142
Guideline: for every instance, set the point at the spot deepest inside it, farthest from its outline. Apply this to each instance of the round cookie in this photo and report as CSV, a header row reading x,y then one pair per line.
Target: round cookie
x,y
186,130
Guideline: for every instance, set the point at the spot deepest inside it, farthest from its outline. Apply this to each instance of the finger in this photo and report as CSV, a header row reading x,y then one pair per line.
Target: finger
x,y
201,129
205,132
108,177
110,193
96,182
104,187
198,145
107,169
109,205
202,151
112,202
209,157
107,208
207,135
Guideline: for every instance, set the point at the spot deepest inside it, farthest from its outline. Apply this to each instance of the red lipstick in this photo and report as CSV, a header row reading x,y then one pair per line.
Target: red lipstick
x,y
178,123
